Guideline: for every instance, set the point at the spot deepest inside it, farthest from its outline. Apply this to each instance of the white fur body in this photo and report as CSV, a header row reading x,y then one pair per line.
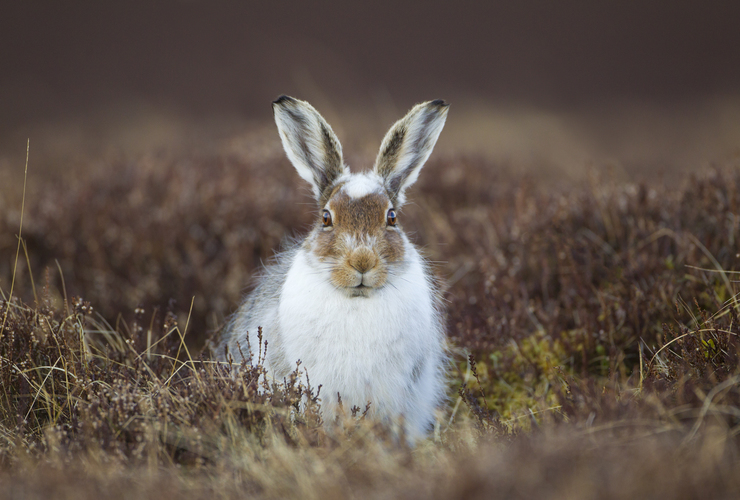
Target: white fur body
x,y
387,349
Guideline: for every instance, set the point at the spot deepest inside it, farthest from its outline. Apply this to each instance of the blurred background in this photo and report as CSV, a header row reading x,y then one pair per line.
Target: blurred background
x,y
156,171
556,86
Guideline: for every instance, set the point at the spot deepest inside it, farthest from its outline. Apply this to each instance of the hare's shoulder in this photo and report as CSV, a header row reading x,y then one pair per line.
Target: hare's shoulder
x,y
272,276
269,282
259,306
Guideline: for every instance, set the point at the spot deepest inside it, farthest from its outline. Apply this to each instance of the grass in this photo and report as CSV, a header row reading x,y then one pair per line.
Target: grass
x,y
594,324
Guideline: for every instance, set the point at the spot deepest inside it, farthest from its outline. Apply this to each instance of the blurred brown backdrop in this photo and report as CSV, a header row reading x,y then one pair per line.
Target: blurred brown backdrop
x,y
638,84
156,171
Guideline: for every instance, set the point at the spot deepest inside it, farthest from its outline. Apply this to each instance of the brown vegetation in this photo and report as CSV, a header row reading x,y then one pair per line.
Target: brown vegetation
x,y
601,318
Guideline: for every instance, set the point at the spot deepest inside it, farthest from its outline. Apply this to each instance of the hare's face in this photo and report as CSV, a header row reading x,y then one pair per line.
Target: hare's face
x,y
358,236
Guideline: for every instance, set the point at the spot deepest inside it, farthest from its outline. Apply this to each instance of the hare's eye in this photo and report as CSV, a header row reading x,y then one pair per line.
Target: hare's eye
x,y
391,217
326,217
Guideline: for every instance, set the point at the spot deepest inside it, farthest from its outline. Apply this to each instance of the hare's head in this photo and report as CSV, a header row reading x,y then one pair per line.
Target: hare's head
x,y
357,236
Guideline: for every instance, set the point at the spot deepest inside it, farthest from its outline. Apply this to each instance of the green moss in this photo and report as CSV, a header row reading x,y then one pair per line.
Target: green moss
x,y
519,379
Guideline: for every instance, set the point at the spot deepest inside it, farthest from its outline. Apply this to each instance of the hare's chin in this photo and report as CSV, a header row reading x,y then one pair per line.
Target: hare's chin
x,y
360,290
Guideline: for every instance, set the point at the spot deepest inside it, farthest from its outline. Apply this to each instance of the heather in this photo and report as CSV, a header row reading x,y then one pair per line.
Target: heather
x,y
593,325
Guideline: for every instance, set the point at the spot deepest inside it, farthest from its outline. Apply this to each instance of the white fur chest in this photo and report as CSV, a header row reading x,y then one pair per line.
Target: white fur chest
x,y
364,348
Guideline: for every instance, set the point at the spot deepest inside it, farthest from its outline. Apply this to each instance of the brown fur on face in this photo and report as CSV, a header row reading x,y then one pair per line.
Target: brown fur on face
x,y
360,246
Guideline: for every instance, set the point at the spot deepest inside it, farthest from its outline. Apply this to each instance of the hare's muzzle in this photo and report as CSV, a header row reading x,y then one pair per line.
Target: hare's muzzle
x,y
363,260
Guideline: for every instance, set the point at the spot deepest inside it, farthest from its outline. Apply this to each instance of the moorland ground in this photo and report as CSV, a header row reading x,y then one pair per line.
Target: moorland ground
x,y
593,319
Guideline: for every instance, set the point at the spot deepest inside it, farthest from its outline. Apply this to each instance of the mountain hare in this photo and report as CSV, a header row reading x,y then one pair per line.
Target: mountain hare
x,y
354,300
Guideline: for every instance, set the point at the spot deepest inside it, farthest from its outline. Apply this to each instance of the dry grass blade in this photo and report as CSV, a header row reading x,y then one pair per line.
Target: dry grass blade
x,y
20,236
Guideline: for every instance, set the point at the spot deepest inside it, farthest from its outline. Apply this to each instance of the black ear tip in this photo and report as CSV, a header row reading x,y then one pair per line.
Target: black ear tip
x,y
439,102
283,99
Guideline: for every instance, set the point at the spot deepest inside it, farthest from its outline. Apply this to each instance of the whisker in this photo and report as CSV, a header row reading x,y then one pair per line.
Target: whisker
x,y
398,276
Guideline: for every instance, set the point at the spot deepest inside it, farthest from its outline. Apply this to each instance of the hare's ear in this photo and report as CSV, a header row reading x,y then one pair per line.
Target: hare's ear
x,y
407,145
310,143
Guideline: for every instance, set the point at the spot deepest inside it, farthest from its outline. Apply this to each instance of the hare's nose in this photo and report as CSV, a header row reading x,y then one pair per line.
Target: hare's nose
x,y
363,260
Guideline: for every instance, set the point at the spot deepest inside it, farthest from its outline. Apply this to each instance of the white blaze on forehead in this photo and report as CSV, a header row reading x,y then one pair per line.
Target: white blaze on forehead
x,y
359,185
354,241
